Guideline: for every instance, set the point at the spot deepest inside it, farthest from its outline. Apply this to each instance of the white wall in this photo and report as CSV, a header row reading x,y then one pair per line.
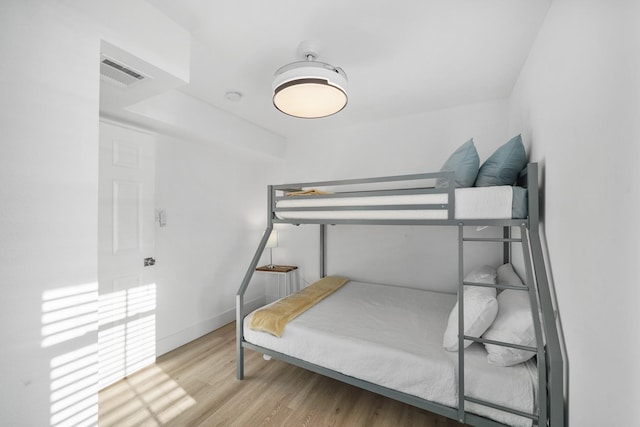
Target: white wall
x,y
215,197
413,144
577,102
48,219
49,80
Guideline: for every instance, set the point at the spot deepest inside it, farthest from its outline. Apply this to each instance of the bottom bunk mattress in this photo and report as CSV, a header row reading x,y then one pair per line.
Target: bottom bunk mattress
x,y
392,336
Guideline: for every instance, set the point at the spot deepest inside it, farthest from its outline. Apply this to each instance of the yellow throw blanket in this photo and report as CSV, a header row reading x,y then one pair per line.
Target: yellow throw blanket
x,y
310,192
275,317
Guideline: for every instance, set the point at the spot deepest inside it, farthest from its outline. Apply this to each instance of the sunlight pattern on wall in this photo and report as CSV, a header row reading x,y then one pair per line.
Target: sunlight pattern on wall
x,y
69,313
69,326
73,387
127,332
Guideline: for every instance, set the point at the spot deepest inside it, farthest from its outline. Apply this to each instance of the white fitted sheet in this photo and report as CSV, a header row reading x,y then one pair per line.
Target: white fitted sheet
x,y
392,336
471,203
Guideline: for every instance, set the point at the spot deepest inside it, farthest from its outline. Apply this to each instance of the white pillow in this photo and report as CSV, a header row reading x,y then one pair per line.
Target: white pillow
x,y
484,274
480,308
513,324
507,276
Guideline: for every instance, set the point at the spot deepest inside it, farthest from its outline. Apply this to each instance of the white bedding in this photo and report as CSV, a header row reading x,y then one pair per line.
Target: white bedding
x,y
393,337
471,203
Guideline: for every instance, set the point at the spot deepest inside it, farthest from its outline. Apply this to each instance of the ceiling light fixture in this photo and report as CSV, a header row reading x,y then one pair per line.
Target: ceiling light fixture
x,y
309,89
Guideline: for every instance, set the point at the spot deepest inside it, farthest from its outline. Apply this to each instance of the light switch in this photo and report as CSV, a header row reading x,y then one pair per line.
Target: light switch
x,y
161,217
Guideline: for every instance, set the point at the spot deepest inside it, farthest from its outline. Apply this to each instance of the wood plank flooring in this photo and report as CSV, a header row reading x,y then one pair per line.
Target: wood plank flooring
x,y
195,385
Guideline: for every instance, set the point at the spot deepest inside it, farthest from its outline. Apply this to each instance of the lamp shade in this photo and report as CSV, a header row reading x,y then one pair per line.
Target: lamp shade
x,y
310,89
272,242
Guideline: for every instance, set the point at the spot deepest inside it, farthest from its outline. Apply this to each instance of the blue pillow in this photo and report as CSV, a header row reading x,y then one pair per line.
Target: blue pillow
x,y
464,162
503,166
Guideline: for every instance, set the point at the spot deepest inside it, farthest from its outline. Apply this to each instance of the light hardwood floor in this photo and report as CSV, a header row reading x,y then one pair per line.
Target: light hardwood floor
x,y
195,385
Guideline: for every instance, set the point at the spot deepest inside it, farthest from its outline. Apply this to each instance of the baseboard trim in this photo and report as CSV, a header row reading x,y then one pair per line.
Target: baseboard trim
x,y
173,341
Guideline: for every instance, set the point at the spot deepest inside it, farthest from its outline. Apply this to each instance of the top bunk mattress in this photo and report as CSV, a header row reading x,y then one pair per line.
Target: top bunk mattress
x,y
392,336
498,202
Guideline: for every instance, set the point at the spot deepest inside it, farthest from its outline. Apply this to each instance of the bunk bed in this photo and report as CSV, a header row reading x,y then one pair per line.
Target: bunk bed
x,y
460,385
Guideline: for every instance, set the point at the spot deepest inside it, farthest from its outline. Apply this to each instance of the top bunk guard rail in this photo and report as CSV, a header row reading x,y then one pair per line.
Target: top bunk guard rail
x,y
549,355
368,193
423,183
449,176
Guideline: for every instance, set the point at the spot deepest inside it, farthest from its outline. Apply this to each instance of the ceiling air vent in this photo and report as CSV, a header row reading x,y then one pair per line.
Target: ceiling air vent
x,y
119,74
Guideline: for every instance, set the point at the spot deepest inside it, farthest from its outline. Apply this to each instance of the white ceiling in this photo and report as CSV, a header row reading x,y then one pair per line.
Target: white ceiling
x,y
402,57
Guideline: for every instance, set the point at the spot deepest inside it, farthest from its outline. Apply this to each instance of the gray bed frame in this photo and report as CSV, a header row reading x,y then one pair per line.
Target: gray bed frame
x,y
551,399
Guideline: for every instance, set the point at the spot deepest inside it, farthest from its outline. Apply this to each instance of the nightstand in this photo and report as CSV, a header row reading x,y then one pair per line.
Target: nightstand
x,y
288,272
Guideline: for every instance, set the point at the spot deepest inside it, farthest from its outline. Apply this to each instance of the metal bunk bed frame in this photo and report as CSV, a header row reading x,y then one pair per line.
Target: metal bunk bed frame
x,y
550,399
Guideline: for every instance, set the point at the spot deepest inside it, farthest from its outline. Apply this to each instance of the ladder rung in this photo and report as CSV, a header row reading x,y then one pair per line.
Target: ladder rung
x,y
497,286
501,343
491,239
502,408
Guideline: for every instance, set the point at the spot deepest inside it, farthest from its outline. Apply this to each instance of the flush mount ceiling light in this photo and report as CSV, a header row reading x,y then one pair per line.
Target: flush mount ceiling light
x,y
309,89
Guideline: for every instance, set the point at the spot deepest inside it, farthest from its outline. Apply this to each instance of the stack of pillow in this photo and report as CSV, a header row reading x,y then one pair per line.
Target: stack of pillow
x,y
505,318
501,168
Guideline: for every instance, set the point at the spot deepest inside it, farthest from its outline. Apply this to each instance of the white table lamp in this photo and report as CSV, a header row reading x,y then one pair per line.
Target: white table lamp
x,y
272,243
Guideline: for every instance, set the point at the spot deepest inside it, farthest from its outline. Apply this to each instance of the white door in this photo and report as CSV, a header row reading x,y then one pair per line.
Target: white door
x,y
126,336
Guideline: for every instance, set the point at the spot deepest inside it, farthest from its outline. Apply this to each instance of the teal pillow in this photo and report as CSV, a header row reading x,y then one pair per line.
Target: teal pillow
x,y
464,162
503,166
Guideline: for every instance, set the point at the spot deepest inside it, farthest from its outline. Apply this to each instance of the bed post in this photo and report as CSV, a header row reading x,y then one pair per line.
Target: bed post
x,y
555,364
506,246
245,283
323,261
461,393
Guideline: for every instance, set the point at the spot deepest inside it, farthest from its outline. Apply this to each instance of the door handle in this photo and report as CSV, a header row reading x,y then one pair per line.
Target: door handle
x,y
149,262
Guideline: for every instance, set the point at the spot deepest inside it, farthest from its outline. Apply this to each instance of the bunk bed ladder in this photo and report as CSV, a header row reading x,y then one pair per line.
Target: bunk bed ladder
x,y
532,290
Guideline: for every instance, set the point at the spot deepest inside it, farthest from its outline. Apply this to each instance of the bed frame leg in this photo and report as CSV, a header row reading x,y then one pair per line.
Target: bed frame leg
x,y
239,338
240,363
